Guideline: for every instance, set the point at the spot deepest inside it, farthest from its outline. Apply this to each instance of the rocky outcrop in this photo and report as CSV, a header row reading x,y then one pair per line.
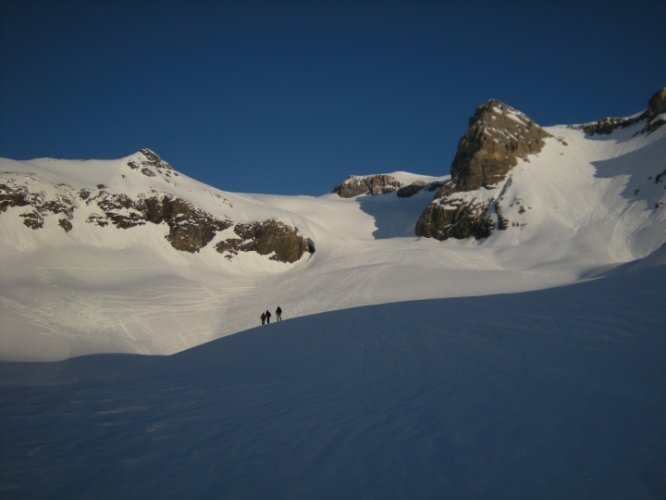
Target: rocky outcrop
x,y
497,137
460,221
417,187
656,110
151,164
14,194
189,228
270,237
656,106
372,185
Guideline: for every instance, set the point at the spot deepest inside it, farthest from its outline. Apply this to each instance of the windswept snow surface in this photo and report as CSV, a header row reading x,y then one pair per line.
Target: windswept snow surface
x,y
559,393
582,205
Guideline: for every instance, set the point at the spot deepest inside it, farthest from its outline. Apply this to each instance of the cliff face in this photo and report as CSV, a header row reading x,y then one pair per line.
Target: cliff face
x,y
372,185
498,135
270,237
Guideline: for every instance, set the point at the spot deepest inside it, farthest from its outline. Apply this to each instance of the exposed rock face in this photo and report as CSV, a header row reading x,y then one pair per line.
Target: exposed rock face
x,y
267,237
657,103
152,164
656,110
14,194
190,229
656,106
416,187
498,135
609,124
460,222
373,185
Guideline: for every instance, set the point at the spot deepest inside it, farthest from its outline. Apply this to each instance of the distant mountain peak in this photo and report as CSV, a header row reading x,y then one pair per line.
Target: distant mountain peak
x,y
652,118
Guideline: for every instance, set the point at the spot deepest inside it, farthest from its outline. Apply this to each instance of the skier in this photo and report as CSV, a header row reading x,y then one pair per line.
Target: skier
x,y
268,317
278,313
263,318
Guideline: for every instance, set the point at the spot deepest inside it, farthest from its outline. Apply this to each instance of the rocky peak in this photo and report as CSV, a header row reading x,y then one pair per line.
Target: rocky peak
x,y
496,137
150,164
657,104
371,184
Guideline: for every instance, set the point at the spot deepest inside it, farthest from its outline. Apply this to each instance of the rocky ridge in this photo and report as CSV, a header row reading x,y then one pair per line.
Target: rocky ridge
x,y
189,228
497,137
378,184
371,184
653,117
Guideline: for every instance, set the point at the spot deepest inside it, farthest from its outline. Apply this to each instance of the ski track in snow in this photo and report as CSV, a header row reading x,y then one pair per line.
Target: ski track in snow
x,y
551,394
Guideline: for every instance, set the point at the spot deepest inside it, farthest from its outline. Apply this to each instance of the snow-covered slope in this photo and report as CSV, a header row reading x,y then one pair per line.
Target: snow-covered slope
x,y
80,284
557,393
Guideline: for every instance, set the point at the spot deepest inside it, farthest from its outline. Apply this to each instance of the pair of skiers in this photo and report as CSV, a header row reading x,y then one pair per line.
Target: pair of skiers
x,y
266,316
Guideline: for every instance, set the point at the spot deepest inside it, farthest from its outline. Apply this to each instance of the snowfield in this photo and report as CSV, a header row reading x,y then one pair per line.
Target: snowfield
x,y
528,365
559,393
583,204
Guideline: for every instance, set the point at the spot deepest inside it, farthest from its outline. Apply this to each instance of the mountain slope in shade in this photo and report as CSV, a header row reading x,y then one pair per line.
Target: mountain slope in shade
x,y
130,256
556,393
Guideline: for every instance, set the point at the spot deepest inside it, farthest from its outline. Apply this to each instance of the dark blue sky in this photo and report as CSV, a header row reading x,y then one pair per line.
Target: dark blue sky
x,y
290,97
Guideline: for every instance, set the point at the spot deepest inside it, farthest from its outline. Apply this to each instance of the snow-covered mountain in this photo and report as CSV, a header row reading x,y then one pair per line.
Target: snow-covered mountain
x,y
483,391
132,256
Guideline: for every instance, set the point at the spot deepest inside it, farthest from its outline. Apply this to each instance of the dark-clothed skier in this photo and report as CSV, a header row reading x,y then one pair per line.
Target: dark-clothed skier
x,y
268,317
263,318
278,313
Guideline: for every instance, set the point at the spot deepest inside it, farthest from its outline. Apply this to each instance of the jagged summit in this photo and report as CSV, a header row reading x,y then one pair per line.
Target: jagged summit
x,y
150,164
497,136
